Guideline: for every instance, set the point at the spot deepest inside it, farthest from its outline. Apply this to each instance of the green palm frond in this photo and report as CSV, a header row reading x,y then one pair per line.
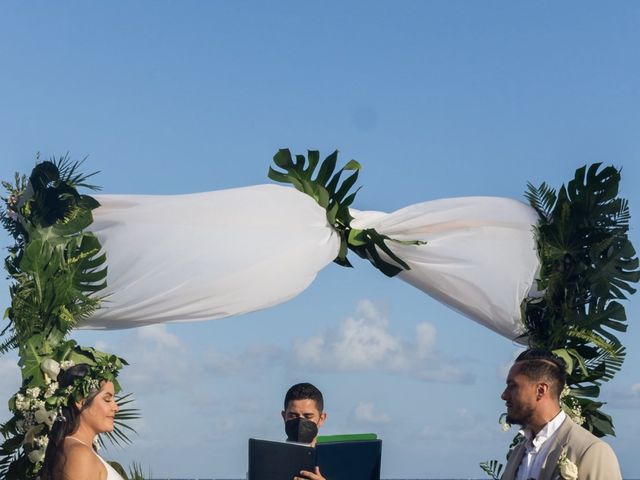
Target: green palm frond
x,y
336,198
69,172
541,198
120,434
587,264
136,473
493,468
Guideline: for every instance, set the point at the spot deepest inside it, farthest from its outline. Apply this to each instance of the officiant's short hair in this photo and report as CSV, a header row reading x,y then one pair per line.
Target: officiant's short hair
x,y
539,364
304,391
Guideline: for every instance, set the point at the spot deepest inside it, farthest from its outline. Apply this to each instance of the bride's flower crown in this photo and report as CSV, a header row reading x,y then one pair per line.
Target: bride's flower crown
x,y
37,408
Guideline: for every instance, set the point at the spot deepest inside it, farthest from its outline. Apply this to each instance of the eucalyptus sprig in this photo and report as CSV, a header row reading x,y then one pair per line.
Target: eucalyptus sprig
x,y
336,198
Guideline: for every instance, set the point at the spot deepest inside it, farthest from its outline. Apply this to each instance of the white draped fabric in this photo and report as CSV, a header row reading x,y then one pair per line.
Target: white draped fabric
x,y
218,254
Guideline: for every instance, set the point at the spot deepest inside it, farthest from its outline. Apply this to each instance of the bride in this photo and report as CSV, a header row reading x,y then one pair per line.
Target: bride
x,y
70,453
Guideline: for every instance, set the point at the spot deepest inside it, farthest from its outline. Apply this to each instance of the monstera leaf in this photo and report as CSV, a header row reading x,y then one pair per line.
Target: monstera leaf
x,y
335,198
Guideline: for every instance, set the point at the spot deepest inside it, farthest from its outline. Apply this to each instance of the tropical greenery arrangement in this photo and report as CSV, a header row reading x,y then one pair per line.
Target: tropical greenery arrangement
x,y
587,265
335,198
56,269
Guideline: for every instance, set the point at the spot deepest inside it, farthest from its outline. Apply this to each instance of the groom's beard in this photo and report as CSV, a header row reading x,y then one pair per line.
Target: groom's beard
x,y
519,415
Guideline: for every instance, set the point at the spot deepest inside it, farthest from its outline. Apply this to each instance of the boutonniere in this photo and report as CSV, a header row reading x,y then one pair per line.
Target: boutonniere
x,y
568,469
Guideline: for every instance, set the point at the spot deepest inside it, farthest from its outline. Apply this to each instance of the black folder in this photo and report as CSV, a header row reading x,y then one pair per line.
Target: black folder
x,y
270,460
350,460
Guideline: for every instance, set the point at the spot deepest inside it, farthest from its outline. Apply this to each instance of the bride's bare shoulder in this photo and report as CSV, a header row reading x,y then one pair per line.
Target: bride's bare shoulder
x,y
82,463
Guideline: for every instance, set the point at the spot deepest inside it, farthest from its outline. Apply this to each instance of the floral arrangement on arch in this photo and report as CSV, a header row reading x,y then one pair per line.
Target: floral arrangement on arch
x,y
587,266
56,270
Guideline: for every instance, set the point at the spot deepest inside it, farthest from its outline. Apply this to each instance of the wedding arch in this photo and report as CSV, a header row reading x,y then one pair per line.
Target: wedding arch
x,y
549,274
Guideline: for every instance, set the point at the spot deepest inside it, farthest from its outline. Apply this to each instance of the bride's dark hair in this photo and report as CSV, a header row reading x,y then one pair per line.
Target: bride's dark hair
x,y
66,423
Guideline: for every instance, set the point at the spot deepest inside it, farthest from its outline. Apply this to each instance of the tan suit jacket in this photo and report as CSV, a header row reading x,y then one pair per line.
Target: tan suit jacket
x,y
595,459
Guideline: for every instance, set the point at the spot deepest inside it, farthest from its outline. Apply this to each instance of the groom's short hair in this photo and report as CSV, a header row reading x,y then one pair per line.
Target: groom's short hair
x,y
304,391
538,364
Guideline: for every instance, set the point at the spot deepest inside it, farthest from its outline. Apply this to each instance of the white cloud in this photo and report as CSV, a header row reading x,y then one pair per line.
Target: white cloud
x,y
626,398
365,413
158,335
363,342
158,360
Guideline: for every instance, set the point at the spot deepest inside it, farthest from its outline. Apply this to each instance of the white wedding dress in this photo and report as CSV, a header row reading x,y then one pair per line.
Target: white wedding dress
x,y
217,254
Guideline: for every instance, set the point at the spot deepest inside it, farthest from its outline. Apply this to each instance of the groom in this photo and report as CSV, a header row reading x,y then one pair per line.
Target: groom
x,y
554,446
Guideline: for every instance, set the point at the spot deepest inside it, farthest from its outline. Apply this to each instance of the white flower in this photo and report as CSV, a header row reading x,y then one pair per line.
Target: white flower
x,y
36,456
568,469
22,403
51,389
44,416
572,408
37,404
50,368
33,392
42,441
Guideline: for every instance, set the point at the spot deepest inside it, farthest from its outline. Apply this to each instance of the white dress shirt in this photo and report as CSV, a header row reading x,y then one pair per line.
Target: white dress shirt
x,y
537,449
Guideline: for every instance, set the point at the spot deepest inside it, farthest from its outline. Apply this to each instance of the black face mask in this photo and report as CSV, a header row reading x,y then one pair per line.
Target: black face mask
x,y
300,430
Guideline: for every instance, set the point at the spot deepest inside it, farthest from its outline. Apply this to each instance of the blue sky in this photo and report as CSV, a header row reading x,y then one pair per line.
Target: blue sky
x,y
435,99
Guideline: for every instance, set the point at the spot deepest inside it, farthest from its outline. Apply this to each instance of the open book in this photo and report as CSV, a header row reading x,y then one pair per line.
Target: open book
x,y
341,457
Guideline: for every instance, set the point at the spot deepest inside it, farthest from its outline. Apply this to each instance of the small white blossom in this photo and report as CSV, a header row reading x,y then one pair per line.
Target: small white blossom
x,y
51,389
93,384
36,456
33,392
42,441
22,403
37,404
572,408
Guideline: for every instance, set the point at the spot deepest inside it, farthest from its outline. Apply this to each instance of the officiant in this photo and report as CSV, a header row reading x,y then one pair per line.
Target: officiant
x,y
303,415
